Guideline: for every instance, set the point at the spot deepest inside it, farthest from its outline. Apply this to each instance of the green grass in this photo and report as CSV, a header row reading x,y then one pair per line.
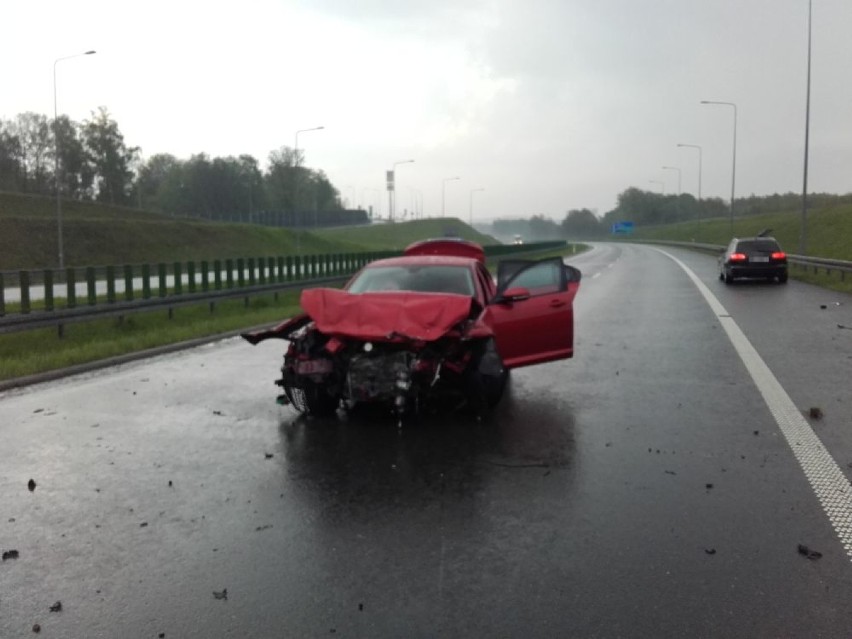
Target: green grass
x,y
42,350
829,231
398,235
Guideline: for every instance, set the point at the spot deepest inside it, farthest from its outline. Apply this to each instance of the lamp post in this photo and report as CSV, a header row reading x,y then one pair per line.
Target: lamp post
x,y
662,185
472,191
734,165
444,194
695,146
296,186
392,189
674,168
56,165
698,215
803,234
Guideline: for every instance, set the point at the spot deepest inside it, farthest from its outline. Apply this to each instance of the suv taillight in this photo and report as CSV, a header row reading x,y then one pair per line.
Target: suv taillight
x,y
779,255
738,257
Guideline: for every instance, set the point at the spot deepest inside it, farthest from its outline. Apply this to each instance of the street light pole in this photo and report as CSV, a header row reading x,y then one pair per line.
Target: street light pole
x,y
56,165
803,235
392,192
675,168
471,204
444,194
695,146
698,216
296,185
734,167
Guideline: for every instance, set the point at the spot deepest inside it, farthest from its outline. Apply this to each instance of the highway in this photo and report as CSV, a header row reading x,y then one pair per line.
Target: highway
x,y
686,474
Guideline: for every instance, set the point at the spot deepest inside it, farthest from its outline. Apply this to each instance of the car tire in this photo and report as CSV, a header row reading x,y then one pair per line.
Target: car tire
x,y
729,279
318,402
486,378
782,279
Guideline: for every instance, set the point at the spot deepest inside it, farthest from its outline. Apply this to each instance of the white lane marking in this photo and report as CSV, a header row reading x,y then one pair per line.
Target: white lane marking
x,y
824,475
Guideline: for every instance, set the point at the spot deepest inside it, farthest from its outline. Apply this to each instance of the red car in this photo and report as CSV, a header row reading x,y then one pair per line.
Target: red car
x,y
428,329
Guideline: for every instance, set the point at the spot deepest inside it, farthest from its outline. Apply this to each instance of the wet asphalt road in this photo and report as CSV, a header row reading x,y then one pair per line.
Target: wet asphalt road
x,y
642,489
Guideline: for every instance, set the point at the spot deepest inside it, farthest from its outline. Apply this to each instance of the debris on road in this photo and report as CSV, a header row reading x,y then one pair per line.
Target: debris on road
x,y
756,433
814,412
670,472
708,486
31,485
848,328
170,483
36,628
710,551
266,527
221,595
10,554
144,524
219,413
57,607
268,455
809,553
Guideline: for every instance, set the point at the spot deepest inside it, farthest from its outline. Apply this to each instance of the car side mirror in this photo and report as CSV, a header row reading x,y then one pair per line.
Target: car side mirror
x,y
514,294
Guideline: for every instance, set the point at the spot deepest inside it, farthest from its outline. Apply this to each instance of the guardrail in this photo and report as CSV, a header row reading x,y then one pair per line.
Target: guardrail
x,y
112,291
803,261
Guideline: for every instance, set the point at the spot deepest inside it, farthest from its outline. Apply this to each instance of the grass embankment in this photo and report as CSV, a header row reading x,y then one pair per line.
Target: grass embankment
x,y
95,234
829,235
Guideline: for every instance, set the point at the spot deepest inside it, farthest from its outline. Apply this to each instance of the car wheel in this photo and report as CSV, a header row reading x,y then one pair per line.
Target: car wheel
x,y
486,378
318,402
729,279
782,279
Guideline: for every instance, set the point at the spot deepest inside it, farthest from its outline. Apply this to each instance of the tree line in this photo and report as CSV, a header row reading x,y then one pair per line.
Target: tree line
x,y
648,208
96,164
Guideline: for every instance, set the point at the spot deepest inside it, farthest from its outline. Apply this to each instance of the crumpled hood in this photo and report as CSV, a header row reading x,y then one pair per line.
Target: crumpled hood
x,y
385,315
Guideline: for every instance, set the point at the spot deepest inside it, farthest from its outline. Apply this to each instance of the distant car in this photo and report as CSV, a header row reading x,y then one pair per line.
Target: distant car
x,y
518,240
753,257
428,329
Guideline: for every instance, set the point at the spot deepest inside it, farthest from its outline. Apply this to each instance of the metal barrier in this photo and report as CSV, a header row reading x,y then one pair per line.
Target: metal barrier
x,y
143,288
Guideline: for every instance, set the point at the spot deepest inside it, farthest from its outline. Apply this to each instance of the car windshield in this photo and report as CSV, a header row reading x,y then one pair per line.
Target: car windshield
x,y
423,279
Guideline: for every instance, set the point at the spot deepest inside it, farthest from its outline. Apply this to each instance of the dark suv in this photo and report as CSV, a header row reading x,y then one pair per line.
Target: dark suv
x,y
753,257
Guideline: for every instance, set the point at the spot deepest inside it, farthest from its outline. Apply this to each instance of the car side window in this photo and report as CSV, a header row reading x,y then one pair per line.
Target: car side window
x,y
540,279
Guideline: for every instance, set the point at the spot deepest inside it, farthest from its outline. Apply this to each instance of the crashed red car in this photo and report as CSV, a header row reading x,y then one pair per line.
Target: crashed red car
x,y
429,329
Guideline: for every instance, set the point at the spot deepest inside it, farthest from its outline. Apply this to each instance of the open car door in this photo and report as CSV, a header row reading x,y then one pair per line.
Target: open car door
x,y
532,313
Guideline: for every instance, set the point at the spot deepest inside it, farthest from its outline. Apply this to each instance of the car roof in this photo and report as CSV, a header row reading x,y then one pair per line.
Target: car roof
x,y
424,260
447,246
757,238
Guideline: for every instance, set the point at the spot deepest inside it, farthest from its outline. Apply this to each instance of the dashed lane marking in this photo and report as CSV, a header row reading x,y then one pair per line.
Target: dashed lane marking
x,y
824,475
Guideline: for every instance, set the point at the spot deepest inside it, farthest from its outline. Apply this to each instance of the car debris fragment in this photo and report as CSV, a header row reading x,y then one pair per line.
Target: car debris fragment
x,y
809,553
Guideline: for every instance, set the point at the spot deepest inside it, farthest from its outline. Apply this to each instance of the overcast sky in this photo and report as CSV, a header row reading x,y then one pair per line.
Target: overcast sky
x,y
547,105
